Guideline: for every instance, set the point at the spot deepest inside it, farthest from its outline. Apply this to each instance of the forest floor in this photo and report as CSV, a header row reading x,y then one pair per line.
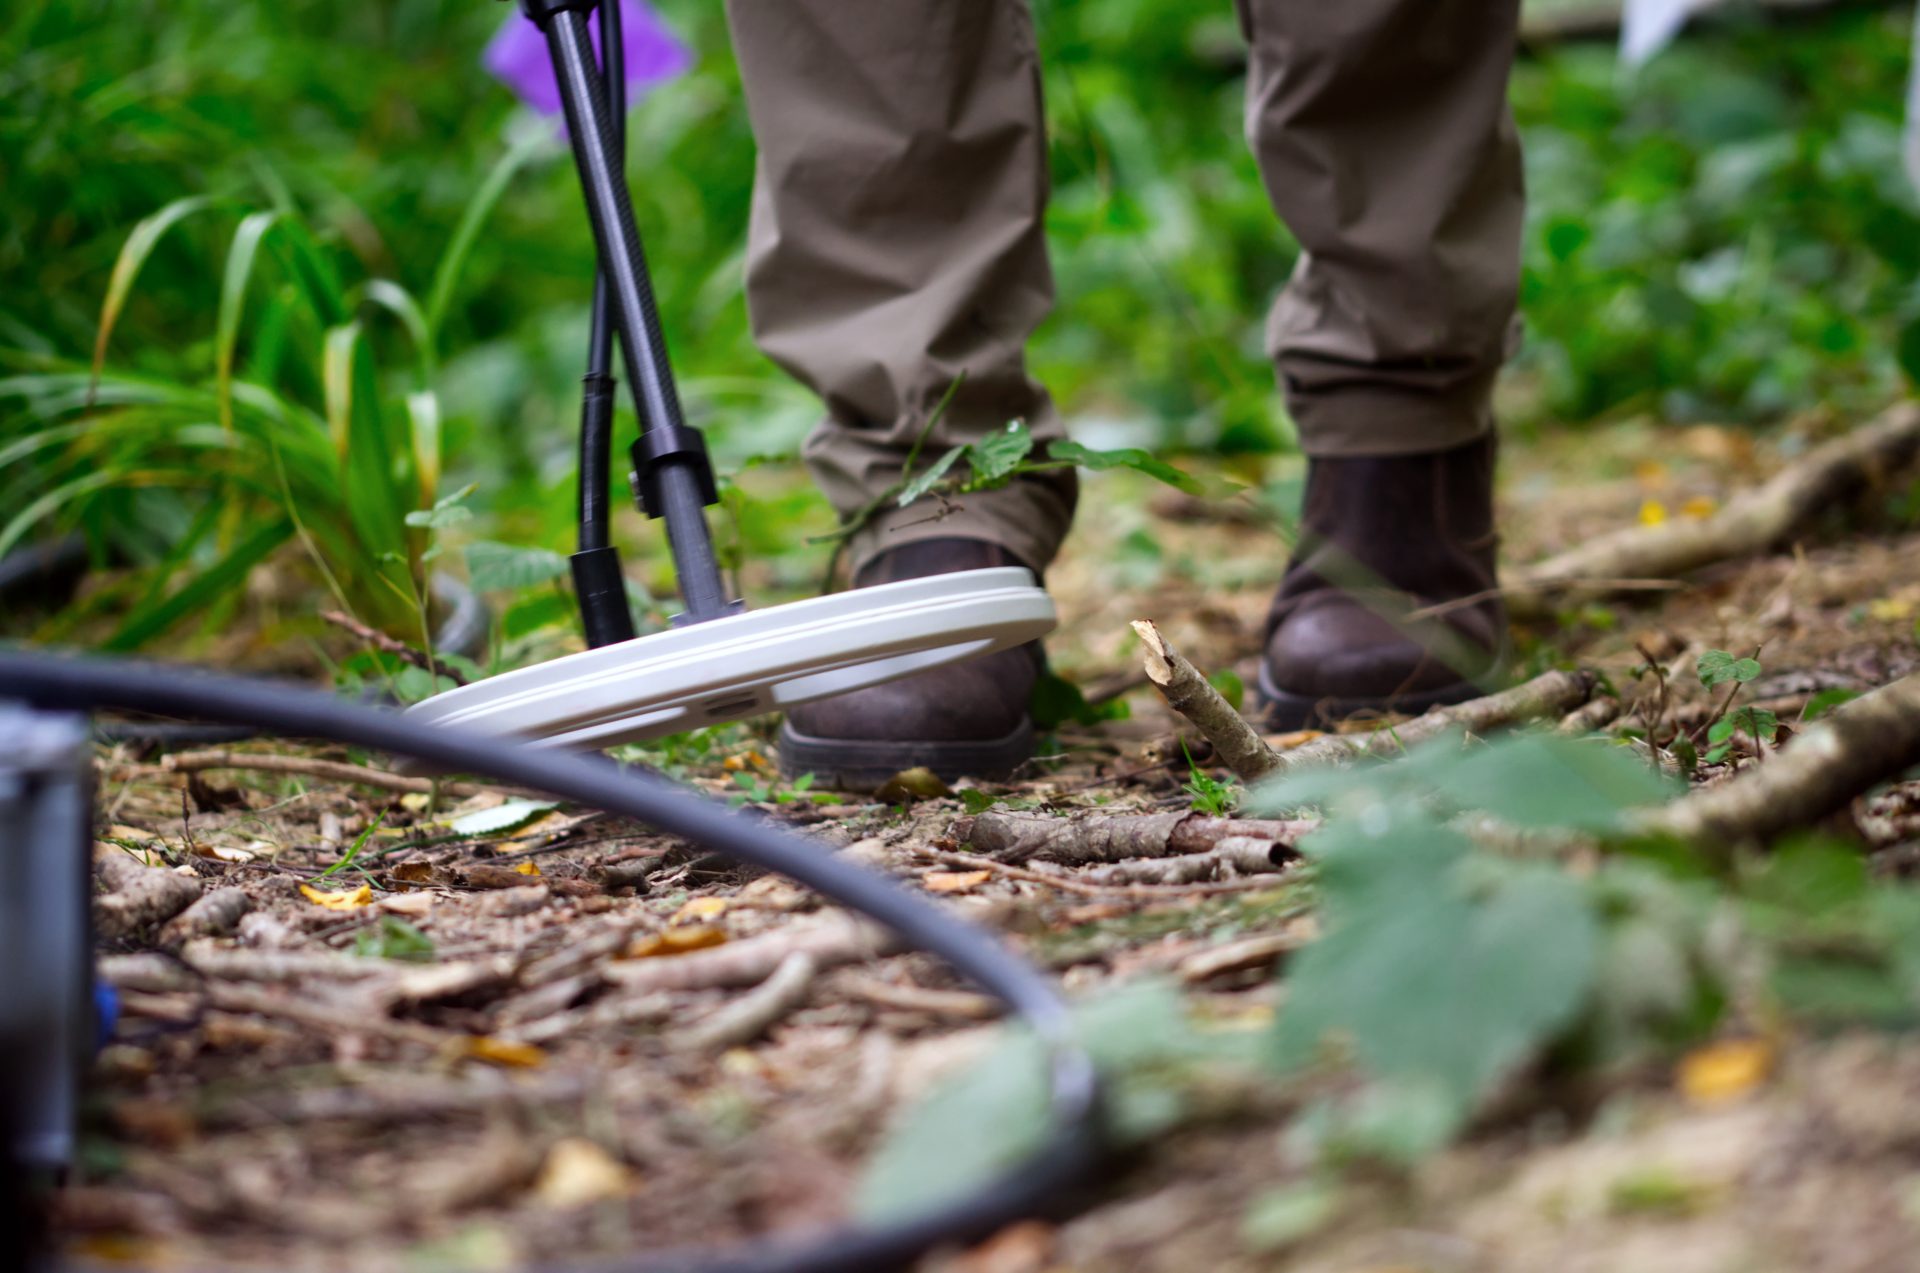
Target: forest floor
x,y
552,1062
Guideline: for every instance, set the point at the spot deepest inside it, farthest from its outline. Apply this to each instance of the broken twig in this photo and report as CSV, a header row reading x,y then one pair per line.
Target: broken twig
x,y
1187,691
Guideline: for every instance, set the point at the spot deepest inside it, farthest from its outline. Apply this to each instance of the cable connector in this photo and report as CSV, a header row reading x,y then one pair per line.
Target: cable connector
x,y
601,591
680,445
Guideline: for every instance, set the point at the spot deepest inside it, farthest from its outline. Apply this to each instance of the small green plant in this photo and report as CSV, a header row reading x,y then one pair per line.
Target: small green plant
x,y
351,857
1209,794
394,938
1716,668
757,789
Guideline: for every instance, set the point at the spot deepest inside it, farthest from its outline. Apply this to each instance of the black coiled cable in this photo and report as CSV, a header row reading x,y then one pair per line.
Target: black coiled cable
x,y
1072,1148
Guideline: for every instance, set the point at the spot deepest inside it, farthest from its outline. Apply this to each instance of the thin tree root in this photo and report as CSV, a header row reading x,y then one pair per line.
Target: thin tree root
x,y
1750,523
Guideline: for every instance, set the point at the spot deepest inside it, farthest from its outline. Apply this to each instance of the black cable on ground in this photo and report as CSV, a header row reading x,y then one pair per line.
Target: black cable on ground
x,y
1072,1148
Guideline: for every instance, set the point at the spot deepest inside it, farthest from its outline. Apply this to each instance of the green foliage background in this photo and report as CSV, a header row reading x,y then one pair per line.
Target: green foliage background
x,y
1726,236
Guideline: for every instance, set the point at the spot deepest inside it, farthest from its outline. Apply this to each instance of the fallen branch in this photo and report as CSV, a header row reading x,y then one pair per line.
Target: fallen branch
x,y
1596,715
1549,694
1234,856
138,896
739,1023
964,1004
1868,741
1059,878
326,770
1017,837
399,649
1753,522
214,915
829,943
1187,692
1249,954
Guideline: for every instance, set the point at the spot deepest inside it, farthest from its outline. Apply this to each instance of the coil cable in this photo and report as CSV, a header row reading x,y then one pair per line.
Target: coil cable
x,y
1072,1147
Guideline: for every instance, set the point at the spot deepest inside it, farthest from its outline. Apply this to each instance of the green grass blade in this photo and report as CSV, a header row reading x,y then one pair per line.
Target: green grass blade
x,y
149,621
126,267
446,276
241,256
336,375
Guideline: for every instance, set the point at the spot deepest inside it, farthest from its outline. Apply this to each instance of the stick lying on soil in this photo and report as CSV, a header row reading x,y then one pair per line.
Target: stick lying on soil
x,y
1187,692
1016,837
829,942
1871,739
1749,523
307,767
739,1023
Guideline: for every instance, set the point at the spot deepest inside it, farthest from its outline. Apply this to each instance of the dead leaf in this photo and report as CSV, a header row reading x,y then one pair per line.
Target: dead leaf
x,y
415,904
918,783
1720,1073
1297,738
578,1172
415,872
699,909
677,940
1652,513
746,760
954,881
527,868
1699,507
1650,474
524,1056
345,900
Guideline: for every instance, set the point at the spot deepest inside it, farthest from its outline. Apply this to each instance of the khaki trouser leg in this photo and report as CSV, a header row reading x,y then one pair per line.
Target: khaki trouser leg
x,y
1386,144
896,243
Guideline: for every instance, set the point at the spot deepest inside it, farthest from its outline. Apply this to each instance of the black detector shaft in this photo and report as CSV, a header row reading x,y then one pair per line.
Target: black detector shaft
x,y
672,474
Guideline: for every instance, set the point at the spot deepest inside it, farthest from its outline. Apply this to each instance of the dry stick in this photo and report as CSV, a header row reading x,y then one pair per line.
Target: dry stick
x,y
1235,855
214,915
1016,837
1598,714
1074,884
1750,523
1188,693
399,649
829,942
964,1004
739,1023
326,770
1874,738
1549,694
138,895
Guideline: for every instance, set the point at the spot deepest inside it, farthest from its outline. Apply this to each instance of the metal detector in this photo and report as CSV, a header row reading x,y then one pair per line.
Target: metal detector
x,y
719,663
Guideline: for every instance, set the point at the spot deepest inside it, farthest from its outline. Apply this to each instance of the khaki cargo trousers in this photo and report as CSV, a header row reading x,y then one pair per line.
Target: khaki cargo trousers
x,y
896,237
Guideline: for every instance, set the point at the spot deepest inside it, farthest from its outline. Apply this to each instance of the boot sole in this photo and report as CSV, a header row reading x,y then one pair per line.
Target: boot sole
x,y
1282,711
865,764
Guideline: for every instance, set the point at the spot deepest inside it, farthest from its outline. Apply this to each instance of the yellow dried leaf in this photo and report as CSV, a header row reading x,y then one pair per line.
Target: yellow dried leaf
x,y
345,900
1295,738
1892,609
527,868
416,801
954,881
746,760
1652,513
1650,474
578,1172
1699,508
1726,1071
525,1056
676,941
699,909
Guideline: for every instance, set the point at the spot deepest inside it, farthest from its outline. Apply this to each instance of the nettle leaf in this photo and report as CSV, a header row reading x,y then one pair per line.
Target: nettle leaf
x,y
1128,458
1756,721
1056,701
921,483
992,1113
992,460
1439,967
1718,667
495,567
1544,781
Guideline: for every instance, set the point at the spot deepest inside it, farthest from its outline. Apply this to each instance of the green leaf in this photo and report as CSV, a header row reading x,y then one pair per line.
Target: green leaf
x,y
1128,458
1717,667
1826,701
1231,687
993,1112
921,483
208,583
394,938
241,255
495,567
1283,1216
1908,353
1434,974
992,460
126,267
446,275
1536,781
1056,701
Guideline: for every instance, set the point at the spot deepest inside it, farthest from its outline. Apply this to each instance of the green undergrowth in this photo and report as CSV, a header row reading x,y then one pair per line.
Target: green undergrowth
x,y
1490,924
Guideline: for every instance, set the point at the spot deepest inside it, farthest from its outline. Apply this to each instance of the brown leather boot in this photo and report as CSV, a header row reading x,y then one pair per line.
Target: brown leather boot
x,y
1382,538
963,720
